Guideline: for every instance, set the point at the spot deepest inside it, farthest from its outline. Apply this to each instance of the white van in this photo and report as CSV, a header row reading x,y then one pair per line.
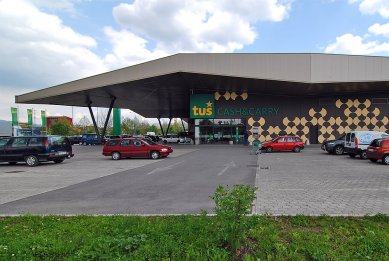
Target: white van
x,y
356,142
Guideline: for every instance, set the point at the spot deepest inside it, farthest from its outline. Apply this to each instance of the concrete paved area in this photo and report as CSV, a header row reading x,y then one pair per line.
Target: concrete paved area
x,y
313,183
175,185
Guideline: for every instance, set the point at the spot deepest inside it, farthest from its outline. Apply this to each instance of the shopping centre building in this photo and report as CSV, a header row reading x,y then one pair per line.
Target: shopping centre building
x,y
225,96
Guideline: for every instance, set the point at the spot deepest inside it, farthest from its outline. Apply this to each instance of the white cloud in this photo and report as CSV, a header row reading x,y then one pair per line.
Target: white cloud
x,y
40,48
37,50
371,7
202,26
128,49
379,29
354,44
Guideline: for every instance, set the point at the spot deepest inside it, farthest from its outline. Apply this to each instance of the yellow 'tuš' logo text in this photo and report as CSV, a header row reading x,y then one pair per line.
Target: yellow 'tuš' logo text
x,y
202,106
203,111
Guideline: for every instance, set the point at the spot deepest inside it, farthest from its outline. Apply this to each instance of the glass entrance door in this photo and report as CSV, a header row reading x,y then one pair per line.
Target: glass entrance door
x,y
220,131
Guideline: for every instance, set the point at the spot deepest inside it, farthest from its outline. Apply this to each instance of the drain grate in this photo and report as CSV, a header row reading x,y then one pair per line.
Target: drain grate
x,y
14,171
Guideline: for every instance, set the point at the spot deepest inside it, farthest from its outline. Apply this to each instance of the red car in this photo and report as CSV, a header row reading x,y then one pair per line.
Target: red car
x,y
137,148
291,143
378,150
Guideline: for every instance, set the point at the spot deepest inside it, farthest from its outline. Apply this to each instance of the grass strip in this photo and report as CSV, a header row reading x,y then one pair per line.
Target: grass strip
x,y
192,238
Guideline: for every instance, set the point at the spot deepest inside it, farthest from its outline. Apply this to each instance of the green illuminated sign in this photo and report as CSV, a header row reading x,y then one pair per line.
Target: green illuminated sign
x,y
202,106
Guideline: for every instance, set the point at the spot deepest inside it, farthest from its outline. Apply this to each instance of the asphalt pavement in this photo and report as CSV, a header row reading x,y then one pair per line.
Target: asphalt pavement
x,y
174,185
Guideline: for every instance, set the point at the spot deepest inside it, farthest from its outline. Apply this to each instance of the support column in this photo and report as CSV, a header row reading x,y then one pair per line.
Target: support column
x,y
183,126
94,121
107,119
160,125
168,126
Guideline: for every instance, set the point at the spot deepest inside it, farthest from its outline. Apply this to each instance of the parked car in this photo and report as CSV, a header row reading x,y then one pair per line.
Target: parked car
x,y
185,140
378,150
90,139
35,149
134,147
291,143
356,142
334,146
75,139
170,138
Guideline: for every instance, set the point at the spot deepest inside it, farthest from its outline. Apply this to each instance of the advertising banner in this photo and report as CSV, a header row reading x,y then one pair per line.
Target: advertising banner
x,y
202,106
43,117
29,114
14,112
117,130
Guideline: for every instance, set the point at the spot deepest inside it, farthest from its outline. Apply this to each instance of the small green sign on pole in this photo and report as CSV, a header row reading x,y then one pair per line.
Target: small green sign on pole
x,y
29,114
14,112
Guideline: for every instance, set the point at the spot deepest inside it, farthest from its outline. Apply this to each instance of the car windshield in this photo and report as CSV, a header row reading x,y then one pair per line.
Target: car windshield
x,y
341,137
4,141
58,140
149,142
376,143
276,138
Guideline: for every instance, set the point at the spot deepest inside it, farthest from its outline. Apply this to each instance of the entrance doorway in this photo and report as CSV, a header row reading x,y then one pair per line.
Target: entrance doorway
x,y
220,131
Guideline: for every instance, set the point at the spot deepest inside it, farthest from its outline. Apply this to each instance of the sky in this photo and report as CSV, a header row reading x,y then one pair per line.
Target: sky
x,y
44,42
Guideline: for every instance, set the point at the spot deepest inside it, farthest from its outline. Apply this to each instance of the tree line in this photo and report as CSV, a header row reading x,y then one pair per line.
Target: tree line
x,y
131,126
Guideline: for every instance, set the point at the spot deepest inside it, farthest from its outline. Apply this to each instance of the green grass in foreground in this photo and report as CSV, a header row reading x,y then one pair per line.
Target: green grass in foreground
x,y
192,238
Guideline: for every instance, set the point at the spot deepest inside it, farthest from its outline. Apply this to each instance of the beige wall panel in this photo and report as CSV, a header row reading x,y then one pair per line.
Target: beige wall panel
x,y
329,68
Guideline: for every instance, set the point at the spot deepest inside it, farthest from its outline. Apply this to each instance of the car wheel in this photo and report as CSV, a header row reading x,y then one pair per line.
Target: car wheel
x,y
165,141
385,160
12,163
116,155
58,160
269,149
154,155
339,150
32,161
373,160
296,149
352,155
363,155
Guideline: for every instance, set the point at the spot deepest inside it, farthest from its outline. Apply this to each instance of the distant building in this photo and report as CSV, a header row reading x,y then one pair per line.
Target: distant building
x,y
5,128
54,119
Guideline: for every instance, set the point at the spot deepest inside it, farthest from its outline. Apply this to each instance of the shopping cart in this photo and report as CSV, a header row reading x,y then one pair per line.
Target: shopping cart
x,y
256,147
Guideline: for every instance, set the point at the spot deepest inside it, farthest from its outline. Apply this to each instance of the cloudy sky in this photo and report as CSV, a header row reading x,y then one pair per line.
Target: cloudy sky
x,y
45,42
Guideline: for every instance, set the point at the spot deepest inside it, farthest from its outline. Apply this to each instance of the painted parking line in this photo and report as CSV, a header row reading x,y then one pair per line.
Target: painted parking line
x,y
227,166
164,168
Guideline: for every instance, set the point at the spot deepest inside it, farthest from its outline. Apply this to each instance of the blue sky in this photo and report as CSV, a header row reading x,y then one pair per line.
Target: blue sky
x,y
46,42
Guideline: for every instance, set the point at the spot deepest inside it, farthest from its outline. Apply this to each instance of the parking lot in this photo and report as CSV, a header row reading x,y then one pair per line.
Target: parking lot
x,y
311,182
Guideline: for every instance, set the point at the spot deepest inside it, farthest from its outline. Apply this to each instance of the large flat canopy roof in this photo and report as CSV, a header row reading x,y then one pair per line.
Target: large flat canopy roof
x,y
161,88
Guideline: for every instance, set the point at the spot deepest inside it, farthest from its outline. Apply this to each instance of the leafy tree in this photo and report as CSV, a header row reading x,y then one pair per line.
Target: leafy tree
x,y
61,127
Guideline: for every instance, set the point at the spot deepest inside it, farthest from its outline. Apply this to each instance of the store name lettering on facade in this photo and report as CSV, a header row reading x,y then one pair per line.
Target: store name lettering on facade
x,y
253,111
202,106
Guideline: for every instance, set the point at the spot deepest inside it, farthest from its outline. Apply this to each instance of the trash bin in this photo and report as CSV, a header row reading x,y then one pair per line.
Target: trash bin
x,y
231,142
